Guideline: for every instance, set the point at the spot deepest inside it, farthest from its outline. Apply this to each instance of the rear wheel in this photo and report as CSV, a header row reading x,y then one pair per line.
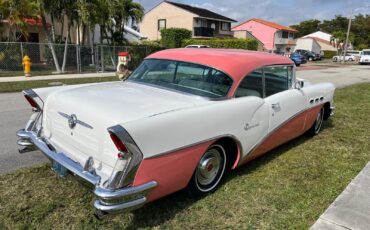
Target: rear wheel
x,y
209,172
335,59
316,127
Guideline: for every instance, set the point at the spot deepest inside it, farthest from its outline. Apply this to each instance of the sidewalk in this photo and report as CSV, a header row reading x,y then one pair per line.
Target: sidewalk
x,y
55,77
351,209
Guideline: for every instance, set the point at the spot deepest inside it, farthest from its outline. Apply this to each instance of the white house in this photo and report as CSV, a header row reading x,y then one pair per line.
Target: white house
x,y
308,44
321,35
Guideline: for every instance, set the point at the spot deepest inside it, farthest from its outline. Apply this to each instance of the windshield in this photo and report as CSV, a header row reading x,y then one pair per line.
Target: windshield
x,y
184,77
365,52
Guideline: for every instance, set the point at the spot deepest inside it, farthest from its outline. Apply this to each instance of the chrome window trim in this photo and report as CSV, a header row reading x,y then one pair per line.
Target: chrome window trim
x,y
264,78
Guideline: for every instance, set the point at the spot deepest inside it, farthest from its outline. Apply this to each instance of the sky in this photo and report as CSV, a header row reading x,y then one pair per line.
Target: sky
x,y
285,12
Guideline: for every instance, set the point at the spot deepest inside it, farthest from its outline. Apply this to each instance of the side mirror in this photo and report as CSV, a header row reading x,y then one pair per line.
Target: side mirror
x,y
299,84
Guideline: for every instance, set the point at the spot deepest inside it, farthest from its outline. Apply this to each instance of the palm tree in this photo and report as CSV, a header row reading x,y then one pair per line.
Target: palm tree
x,y
122,12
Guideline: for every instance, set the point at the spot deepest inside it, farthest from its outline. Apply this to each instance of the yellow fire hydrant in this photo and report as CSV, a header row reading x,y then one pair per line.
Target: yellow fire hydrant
x,y
27,66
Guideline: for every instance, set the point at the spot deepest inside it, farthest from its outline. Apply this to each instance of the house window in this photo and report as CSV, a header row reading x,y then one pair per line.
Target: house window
x,y
161,24
225,26
285,34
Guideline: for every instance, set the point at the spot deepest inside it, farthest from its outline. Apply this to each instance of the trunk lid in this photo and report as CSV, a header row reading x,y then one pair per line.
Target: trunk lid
x,y
98,107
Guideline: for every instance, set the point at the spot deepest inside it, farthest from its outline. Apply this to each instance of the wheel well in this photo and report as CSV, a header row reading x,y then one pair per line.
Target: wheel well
x,y
327,110
231,148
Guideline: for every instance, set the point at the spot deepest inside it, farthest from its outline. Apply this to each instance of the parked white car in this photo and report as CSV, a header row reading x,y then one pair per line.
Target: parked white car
x,y
347,57
182,120
365,57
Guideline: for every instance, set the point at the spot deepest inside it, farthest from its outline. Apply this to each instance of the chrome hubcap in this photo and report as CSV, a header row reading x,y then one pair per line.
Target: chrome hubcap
x,y
208,167
319,119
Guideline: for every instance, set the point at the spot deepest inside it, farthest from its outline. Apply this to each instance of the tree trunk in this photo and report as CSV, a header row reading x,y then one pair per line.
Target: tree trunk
x,y
45,27
83,33
62,29
65,52
52,28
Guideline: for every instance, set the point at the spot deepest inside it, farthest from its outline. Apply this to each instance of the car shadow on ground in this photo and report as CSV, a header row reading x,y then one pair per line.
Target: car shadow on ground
x,y
164,209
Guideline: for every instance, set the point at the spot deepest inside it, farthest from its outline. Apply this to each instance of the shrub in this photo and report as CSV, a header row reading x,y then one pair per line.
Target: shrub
x,y
173,37
10,56
139,52
328,54
228,43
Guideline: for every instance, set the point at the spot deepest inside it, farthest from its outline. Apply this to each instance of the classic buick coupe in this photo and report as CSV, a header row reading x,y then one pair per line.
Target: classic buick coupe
x,y
183,119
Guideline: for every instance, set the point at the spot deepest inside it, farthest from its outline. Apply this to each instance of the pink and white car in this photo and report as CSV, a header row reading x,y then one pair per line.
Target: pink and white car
x,y
182,120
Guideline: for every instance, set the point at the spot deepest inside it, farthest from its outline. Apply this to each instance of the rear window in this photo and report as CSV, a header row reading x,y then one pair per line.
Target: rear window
x,y
184,77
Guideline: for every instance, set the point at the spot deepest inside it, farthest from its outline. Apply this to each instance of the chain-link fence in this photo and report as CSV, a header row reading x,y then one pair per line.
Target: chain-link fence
x,y
71,58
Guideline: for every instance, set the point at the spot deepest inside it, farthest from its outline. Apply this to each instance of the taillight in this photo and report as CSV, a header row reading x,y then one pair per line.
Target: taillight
x,y
32,102
118,143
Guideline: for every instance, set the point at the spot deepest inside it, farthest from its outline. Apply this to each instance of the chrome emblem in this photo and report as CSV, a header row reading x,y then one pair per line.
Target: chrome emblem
x,y
72,121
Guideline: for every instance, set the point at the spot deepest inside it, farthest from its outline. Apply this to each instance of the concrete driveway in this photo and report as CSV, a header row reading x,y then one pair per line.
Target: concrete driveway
x,y
339,76
15,112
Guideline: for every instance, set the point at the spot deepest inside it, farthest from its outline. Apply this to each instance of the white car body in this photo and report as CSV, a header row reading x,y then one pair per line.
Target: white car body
x,y
365,57
348,57
165,132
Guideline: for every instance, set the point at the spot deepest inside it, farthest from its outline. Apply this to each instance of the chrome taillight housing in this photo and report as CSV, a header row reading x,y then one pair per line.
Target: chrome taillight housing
x,y
33,99
128,158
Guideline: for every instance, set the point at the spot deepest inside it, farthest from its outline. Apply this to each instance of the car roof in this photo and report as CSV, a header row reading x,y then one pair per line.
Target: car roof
x,y
236,63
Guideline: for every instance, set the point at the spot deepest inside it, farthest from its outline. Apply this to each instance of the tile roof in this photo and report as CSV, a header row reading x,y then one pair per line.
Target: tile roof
x,y
270,24
201,12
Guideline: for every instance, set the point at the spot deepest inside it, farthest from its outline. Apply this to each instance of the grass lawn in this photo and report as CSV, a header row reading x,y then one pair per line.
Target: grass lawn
x,y
288,188
21,85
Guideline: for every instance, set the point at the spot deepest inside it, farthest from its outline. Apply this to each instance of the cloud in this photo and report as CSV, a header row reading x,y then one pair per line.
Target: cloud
x,y
286,12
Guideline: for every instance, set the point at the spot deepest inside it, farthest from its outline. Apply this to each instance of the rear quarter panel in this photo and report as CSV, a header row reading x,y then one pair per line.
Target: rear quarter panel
x,y
165,133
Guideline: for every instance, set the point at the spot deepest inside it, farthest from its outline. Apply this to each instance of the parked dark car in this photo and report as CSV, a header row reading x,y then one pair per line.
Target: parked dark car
x,y
297,58
310,56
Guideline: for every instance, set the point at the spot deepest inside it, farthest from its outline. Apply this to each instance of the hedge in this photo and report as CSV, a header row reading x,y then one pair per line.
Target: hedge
x,y
328,54
228,43
173,37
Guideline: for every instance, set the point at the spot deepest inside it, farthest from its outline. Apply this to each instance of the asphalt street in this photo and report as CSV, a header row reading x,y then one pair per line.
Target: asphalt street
x,y
15,111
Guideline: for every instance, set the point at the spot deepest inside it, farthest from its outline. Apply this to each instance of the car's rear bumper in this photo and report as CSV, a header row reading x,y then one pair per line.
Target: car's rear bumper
x,y
108,200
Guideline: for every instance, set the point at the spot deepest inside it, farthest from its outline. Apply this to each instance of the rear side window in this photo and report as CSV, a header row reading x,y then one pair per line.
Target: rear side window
x,y
277,79
266,81
251,85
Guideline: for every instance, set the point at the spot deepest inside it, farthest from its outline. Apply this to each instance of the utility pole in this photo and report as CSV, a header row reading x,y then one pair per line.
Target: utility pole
x,y
346,43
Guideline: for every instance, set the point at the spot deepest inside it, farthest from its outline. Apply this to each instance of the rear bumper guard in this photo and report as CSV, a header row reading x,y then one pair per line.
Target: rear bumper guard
x,y
108,200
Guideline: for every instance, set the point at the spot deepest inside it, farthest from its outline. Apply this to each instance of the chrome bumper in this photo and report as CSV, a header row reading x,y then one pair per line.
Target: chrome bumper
x,y
108,200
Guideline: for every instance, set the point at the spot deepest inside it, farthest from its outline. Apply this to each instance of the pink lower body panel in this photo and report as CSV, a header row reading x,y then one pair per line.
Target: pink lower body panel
x,y
171,171
295,127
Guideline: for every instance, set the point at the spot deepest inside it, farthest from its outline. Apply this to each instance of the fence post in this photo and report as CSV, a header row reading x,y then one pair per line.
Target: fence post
x,y
77,60
22,54
102,58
